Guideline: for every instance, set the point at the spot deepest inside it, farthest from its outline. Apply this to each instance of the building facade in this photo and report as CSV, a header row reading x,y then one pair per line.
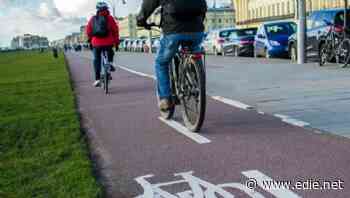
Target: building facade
x,y
253,12
29,41
128,27
217,18
83,37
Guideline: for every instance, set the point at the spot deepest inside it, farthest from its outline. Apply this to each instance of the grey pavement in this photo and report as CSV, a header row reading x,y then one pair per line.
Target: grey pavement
x,y
319,96
138,155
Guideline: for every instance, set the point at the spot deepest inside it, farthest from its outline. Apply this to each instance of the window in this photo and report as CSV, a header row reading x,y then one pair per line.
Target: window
x,y
280,29
278,9
233,35
219,20
246,32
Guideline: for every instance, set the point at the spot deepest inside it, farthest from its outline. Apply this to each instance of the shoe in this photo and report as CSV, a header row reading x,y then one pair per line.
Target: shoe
x,y
165,104
97,83
112,66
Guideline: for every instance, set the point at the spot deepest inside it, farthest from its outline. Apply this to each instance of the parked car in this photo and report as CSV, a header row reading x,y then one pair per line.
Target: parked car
x,y
271,39
124,45
318,24
214,41
241,42
141,45
129,45
134,45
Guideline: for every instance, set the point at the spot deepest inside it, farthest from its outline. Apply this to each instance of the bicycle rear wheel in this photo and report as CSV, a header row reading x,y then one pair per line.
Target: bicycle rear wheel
x,y
194,98
344,53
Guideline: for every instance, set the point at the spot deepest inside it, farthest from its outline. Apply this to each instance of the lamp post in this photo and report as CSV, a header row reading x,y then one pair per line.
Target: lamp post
x,y
114,4
301,32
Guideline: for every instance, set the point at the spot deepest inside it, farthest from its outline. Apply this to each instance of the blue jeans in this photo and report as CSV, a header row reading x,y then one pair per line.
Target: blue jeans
x,y
97,59
169,45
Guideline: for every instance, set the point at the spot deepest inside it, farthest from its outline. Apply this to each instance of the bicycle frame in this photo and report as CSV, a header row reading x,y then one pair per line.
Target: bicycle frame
x,y
105,68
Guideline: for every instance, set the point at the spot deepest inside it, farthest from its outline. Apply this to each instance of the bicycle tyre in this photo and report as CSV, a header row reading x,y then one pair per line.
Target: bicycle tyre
x,y
195,126
345,45
106,82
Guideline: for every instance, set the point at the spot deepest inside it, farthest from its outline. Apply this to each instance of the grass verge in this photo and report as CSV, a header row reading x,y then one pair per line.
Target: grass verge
x,y
42,150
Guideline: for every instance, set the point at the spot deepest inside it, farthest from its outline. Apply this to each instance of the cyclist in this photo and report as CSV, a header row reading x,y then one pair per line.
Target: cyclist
x,y
181,20
103,33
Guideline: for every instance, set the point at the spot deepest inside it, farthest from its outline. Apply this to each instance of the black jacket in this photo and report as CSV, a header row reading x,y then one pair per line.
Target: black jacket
x,y
168,23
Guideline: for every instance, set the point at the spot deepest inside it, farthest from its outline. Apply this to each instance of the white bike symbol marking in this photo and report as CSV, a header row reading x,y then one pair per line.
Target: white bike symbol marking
x,y
199,188
203,189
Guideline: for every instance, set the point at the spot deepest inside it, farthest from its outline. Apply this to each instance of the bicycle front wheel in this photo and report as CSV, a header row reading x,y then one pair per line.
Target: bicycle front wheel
x,y
106,83
344,53
194,98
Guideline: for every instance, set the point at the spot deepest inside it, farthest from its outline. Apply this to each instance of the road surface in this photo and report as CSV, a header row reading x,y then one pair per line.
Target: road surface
x,y
140,155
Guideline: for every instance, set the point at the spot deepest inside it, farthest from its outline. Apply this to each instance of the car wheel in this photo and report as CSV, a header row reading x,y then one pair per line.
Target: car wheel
x,y
215,52
323,55
293,53
267,54
235,52
255,54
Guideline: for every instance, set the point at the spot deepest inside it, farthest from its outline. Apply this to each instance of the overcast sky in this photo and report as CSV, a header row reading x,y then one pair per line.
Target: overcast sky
x,y
51,18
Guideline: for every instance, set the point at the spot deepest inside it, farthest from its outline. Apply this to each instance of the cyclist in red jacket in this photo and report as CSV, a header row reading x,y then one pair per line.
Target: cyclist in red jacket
x,y
103,33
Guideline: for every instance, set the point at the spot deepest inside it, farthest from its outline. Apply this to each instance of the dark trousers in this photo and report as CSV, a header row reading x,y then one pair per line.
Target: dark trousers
x,y
97,59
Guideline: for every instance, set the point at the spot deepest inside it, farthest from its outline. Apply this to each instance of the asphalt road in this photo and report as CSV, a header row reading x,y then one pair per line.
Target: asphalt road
x,y
140,155
315,95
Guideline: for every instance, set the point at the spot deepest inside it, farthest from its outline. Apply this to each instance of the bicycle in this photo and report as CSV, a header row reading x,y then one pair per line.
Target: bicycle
x,y
188,86
105,71
336,46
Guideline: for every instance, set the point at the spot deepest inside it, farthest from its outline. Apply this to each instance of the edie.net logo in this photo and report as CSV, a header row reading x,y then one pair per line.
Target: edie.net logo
x,y
256,181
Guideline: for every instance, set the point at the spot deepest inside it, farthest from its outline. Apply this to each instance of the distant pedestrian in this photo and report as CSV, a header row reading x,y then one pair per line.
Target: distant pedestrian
x,y
55,52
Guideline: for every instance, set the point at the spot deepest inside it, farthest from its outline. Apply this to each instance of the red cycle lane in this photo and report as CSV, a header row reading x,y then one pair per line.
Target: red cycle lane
x,y
140,155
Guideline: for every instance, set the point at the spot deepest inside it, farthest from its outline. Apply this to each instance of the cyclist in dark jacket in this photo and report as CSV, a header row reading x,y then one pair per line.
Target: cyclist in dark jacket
x,y
174,31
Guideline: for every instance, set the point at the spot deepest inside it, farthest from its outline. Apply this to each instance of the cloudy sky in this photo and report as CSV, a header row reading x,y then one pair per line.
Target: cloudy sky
x,y
51,18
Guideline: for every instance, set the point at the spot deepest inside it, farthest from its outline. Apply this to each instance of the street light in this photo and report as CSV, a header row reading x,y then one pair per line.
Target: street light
x,y
114,4
301,31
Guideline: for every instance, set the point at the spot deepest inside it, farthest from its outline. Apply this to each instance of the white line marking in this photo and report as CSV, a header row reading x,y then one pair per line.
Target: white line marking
x,y
137,73
296,122
281,116
262,181
183,130
233,103
292,121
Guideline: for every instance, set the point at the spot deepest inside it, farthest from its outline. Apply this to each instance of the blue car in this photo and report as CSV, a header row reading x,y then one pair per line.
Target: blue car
x,y
271,39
